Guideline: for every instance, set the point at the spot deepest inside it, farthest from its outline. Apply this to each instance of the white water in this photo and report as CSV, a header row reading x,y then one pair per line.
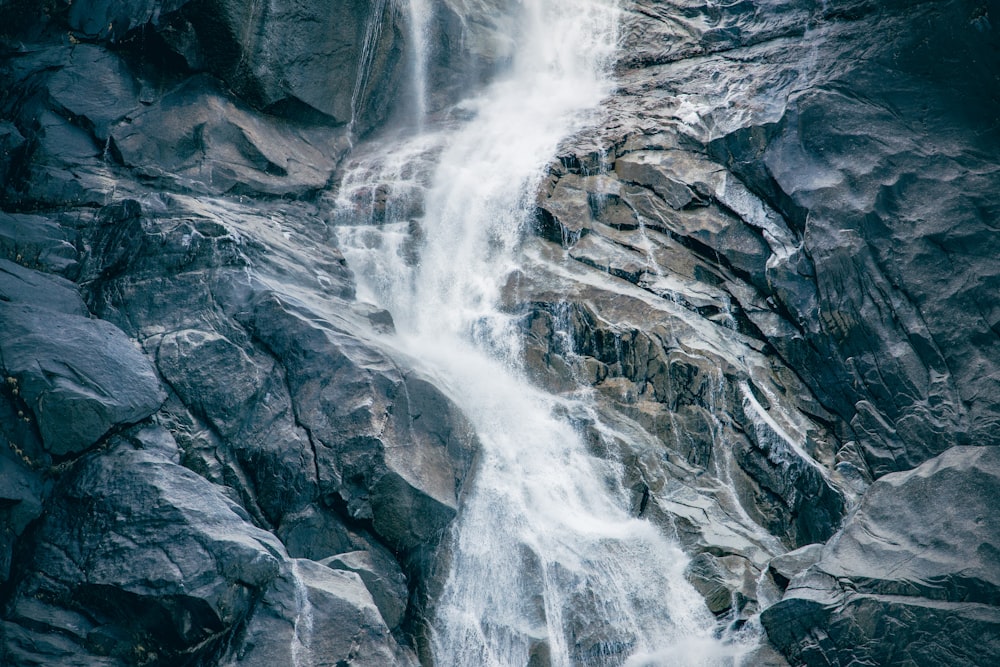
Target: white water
x,y
546,559
419,13
301,645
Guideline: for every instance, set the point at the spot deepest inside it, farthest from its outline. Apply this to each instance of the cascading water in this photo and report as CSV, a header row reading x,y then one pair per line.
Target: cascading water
x,y
547,565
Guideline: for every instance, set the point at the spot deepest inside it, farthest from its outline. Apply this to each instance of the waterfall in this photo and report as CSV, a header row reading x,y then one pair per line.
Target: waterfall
x,y
369,44
419,15
547,564
302,632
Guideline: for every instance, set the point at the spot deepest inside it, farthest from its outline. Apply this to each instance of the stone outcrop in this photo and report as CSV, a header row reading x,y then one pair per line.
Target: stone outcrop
x,y
772,262
902,563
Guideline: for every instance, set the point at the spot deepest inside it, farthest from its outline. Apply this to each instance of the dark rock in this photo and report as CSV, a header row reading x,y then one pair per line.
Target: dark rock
x,y
388,446
315,534
843,168
78,377
786,566
725,583
93,89
195,137
772,262
245,400
21,285
12,145
37,242
913,576
21,494
212,376
313,615
314,62
381,576
160,566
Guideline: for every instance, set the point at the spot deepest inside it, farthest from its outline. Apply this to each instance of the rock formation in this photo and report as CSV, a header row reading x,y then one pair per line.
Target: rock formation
x,y
773,260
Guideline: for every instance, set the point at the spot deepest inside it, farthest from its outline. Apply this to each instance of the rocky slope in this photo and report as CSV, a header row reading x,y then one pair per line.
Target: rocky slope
x,y
772,260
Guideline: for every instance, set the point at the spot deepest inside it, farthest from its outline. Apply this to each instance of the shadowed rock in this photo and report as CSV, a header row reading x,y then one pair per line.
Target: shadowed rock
x,y
913,576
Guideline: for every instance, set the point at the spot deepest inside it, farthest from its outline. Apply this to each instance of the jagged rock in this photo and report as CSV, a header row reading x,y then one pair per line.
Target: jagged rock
x,y
727,583
12,145
22,285
772,262
786,566
21,494
841,169
161,566
314,62
218,145
372,453
93,89
317,616
383,578
913,576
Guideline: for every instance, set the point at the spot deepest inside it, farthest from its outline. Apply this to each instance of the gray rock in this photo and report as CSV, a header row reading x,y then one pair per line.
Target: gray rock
x,y
37,242
94,89
302,63
21,494
160,566
212,375
381,576
195,137
785,567
373,454
78,377
33,288
313,615
913,576
772,261
12,145
727,583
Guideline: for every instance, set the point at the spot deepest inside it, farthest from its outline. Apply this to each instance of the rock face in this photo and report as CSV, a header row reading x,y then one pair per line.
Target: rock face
x,y
901,562
773,262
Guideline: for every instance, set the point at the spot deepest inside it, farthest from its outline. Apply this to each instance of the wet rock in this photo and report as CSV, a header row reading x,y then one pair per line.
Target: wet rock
x,y
727,584
93,89
785,567
388,446
904,580
12,145
37,242
21,285
303,64
876,305
21,495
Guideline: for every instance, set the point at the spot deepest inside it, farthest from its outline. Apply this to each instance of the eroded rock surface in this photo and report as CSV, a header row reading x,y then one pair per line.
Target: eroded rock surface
x,y
900,562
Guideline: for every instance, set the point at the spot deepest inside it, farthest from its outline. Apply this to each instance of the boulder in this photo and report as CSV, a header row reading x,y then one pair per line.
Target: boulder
x,y
160,567
76,377
914,575
390,448
381,576
313,615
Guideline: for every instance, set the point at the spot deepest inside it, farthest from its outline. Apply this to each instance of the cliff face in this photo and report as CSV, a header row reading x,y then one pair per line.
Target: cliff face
x,y
773,259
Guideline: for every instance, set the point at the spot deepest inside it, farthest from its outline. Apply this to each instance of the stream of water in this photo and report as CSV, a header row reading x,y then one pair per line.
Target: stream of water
x,y
548,566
